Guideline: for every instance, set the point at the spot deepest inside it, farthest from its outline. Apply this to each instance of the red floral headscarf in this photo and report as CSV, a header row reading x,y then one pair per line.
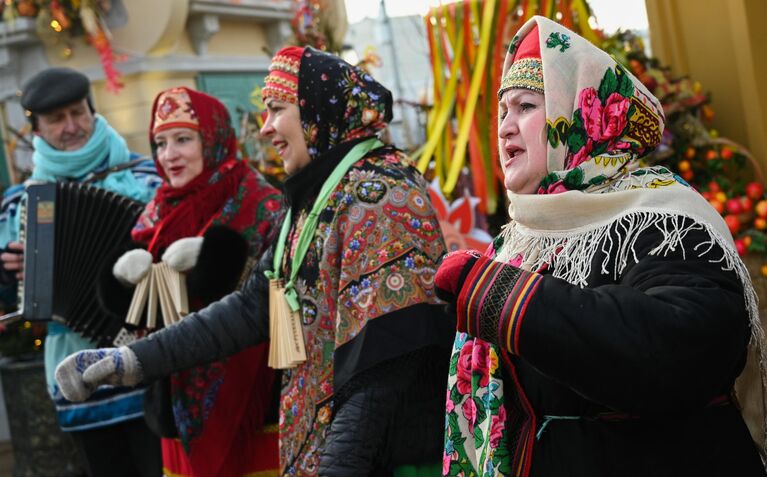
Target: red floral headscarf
x,y
189,210
233,393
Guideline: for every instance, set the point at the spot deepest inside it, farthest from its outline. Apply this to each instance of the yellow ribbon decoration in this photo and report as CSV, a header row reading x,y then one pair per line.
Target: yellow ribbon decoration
x,y
446,104
582,12
439,83
532,9
459,152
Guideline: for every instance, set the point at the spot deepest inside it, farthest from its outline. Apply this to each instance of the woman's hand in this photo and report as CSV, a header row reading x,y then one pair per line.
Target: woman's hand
x,y
132,266
453,270
182,254
451,275
489,297
82,372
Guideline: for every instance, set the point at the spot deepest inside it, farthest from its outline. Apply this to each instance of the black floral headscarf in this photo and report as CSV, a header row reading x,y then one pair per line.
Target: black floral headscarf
x,y
338,102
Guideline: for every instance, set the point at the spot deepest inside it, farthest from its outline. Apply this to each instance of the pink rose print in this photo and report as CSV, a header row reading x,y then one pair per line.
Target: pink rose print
x,y
463,381
480,363
591,113
556,188
446,459
449,406
469,409
619,145
583,155
614,116
497,426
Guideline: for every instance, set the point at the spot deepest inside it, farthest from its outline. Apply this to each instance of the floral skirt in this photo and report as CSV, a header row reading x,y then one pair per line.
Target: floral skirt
x,y
476,433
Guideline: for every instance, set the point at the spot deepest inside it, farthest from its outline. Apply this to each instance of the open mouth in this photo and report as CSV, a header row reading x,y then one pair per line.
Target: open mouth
x,y
280,145
514,151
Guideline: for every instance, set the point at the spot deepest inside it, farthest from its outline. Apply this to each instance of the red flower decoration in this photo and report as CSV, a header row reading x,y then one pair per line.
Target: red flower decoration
x,y
458,220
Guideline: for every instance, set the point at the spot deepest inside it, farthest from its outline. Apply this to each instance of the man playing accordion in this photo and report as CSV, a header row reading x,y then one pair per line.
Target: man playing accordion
x,y
73,143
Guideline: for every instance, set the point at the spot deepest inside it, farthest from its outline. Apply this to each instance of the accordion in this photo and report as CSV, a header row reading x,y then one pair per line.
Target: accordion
x,y
69,231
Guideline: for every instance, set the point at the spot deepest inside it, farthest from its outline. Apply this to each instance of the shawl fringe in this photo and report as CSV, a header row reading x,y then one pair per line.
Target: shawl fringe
x,y
570,254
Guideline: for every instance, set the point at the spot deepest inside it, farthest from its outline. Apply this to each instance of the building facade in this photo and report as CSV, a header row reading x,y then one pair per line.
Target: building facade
x,y
222,47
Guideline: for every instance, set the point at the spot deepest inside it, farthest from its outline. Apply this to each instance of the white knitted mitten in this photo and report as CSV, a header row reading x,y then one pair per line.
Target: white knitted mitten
x,y
182,254
82,372
132,266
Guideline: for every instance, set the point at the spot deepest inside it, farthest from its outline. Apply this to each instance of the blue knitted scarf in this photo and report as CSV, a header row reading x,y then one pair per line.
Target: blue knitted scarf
x,y
53,165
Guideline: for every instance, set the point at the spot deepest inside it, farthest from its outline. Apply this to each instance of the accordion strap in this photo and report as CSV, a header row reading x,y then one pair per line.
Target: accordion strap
x,y
119,167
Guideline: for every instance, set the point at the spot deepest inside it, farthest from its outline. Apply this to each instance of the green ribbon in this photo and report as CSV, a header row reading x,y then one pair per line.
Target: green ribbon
x,y
305,239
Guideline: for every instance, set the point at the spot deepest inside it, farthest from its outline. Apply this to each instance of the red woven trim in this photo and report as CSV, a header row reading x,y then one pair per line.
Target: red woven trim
x,y
521,455
514,309
473,293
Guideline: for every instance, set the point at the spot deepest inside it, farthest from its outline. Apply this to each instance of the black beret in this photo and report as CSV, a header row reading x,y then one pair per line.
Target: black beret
x,y
53,88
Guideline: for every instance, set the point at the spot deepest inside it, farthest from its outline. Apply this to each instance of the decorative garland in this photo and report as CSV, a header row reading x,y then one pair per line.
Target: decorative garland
x,y
60,20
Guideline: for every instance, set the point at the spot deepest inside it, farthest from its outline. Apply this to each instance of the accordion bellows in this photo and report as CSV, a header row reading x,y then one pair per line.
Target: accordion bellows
x,y
69,231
